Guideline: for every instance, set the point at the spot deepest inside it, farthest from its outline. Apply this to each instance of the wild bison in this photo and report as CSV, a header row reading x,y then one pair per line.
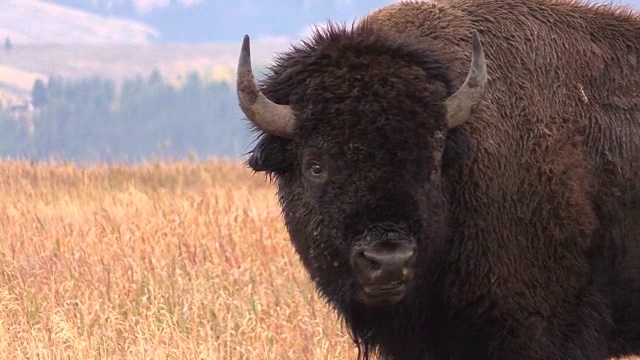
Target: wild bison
x,y
461,178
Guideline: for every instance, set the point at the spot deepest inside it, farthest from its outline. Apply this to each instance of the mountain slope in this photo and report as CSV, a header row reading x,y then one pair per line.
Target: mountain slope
x,y
32,21
21,66
50,39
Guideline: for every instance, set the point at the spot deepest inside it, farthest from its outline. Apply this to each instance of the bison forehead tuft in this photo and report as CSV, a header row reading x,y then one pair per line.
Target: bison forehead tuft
x,y
359,77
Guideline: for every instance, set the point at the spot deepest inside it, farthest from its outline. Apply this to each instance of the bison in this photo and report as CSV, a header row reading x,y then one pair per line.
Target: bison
x,y
461,178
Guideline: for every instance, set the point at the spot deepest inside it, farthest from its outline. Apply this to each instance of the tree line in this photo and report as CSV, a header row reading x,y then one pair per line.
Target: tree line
x,y
91,119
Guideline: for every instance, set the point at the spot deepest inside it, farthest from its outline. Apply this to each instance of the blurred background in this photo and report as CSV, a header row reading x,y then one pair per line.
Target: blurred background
x,y
131,81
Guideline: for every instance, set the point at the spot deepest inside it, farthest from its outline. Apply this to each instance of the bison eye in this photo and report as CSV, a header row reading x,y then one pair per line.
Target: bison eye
x,y
315,169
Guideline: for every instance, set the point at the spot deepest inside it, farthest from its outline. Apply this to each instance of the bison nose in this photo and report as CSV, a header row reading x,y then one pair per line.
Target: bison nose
x,y
385,263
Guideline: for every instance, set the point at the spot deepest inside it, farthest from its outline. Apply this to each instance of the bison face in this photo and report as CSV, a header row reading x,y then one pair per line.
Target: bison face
x,y
355,127
364,219
365,215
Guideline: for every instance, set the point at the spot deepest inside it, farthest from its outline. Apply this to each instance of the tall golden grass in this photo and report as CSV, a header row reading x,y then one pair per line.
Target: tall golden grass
x,y
178,261
166,261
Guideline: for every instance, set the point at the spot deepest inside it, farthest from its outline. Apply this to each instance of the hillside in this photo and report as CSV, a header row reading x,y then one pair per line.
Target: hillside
x,y
75,43
32,21
26,62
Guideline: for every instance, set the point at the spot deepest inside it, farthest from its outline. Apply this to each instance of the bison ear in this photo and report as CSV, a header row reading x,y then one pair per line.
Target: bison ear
x,y
272,154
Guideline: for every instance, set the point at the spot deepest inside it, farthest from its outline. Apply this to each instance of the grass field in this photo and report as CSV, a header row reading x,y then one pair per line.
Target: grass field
x,y
176,261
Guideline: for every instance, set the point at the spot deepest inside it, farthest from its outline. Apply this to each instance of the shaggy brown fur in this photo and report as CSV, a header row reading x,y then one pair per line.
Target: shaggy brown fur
x,y
527,216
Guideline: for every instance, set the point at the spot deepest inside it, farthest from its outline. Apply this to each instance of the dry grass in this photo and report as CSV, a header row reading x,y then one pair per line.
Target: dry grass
x,y
158,262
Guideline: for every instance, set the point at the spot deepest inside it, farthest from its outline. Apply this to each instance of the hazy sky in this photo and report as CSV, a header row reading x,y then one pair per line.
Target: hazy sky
x,y
144,6
148,5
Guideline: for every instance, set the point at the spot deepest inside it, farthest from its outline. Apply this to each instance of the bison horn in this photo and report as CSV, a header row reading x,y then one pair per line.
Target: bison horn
x,y
459,105
272,118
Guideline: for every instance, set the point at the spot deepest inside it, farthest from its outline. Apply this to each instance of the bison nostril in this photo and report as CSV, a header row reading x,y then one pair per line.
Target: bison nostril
x,y
370,262
386,259
396,256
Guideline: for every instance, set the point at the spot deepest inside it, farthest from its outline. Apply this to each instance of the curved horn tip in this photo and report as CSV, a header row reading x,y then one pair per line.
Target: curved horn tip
x,y
476,43
245,53
272,118
478,63
245,42
459,104
475,37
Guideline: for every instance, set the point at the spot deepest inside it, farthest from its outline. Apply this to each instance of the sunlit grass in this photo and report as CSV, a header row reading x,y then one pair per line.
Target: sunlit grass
x,y
176,261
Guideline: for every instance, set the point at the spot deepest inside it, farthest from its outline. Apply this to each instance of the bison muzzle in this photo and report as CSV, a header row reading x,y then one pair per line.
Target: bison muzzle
x,y
383,263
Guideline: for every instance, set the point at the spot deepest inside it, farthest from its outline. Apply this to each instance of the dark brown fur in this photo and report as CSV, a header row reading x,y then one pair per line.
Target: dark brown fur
x,y
527,216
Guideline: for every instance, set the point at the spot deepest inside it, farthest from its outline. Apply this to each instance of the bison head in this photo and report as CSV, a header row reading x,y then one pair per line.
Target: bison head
x,y
353,127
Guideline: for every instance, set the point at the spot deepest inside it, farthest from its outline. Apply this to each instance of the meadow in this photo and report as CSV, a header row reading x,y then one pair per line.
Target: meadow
x,y
164,261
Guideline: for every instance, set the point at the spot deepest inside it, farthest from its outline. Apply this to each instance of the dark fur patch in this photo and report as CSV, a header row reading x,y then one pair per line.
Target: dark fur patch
x,y
457,150
272,155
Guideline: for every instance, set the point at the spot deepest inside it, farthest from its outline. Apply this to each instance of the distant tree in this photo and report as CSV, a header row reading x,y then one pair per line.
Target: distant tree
x,y
55,86
38,94
155,78
8,45
80,124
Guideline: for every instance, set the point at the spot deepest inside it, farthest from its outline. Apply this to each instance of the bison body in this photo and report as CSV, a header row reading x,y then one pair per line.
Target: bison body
x,y
461,179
